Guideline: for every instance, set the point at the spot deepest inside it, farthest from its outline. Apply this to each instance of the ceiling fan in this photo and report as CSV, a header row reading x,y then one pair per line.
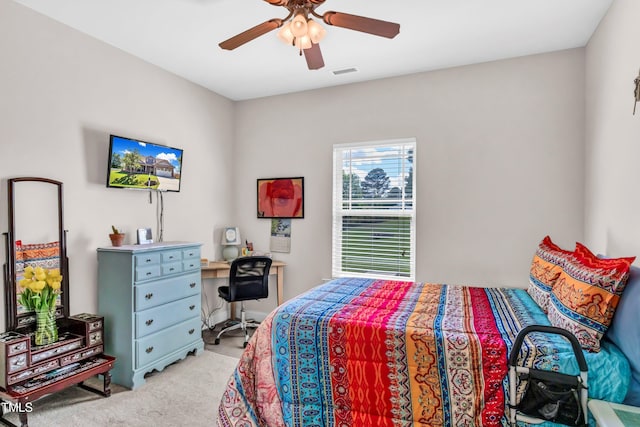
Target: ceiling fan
x,y
304,33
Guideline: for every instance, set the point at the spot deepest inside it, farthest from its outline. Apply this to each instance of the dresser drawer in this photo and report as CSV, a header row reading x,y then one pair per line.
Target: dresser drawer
x,y
17,362
155,346
191,254
45,367
147,272
171,268
192,264
146,259
80,355
165,290
171,256
155,319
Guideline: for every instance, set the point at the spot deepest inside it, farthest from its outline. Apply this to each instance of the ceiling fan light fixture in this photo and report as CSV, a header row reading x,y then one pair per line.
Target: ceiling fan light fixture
x,y
305,34
303,42
285,34
315,31
299,25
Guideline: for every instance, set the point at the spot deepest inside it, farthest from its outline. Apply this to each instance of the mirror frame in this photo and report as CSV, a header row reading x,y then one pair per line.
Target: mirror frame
x,y
13,320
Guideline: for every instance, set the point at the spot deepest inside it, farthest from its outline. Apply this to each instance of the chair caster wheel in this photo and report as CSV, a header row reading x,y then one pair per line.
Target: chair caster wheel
x,y
217,341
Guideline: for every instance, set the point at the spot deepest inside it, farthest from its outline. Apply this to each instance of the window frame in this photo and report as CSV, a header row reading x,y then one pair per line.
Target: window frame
x,y
407,209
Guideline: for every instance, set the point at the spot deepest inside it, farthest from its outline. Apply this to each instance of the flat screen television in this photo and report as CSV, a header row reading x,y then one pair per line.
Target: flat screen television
x,y
143,165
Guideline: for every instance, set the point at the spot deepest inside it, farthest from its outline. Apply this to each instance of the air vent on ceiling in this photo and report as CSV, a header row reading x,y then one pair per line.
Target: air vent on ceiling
x,y
345,71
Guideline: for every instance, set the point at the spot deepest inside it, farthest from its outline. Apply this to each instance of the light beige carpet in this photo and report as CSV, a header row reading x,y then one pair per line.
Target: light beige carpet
x,y
185,393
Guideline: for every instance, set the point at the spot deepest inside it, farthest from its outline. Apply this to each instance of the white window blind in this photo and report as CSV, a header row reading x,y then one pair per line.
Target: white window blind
x,y
374,209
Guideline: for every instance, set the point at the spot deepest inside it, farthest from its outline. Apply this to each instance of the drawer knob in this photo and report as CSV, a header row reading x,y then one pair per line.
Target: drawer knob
x,y
191,331
149,349
149,322
192,285
191,265
171,269
191,307
149,273
149,295
147,260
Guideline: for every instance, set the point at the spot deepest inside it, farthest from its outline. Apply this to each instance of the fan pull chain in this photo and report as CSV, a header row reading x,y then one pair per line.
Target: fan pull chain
x,y
293,43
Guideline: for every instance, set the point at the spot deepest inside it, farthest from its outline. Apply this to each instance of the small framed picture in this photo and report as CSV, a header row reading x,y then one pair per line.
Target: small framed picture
x,y
144,236
281,198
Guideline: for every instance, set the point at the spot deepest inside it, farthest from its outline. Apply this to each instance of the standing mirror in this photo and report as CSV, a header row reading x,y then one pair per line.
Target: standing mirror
x,y
36,238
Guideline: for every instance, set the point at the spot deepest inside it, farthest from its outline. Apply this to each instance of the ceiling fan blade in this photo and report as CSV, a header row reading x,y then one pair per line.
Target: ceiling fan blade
x,y
252,33
360,23
285,3
313,55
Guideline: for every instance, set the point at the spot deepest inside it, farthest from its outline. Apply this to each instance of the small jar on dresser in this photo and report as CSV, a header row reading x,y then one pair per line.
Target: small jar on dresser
x,y
150,297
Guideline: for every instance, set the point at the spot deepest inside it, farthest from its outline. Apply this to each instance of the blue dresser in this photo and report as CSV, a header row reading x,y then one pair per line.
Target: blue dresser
x,y
150,298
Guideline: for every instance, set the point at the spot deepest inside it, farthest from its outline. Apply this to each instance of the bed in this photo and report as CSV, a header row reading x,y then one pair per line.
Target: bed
x,y
366,352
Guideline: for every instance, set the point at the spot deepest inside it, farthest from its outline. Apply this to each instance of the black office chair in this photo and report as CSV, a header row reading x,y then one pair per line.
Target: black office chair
x,y
248,280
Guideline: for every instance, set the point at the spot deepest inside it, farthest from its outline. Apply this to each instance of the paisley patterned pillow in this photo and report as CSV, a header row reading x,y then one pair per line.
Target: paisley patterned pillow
x,y
587,258
546,267
586,295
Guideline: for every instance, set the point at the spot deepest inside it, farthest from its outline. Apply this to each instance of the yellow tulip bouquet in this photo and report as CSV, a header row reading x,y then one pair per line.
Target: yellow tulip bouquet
x,y
40,289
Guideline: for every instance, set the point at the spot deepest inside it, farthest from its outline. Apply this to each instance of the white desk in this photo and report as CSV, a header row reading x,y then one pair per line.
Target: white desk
x,y
606,416
216,269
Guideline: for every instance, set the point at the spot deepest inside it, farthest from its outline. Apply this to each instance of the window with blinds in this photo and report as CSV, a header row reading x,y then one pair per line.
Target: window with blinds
x,y
374,210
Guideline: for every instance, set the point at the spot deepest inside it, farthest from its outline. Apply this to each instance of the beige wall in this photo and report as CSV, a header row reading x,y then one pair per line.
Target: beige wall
x,y
499,163
61,95
500,153
612,221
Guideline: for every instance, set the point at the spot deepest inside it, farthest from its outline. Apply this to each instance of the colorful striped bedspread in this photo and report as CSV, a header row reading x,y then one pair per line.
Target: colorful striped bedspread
x,y
362,352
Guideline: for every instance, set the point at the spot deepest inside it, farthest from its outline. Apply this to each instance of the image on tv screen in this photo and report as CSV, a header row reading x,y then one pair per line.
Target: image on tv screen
x,y
143,165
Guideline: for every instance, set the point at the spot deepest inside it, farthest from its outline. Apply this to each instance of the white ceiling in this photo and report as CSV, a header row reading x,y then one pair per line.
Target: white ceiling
x,y
182,36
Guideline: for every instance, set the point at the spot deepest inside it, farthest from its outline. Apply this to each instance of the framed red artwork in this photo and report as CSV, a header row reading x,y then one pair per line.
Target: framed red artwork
x,y
281,198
